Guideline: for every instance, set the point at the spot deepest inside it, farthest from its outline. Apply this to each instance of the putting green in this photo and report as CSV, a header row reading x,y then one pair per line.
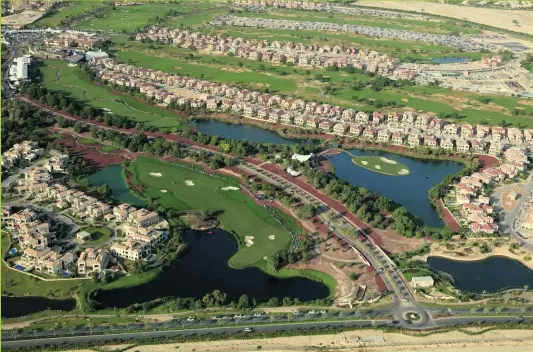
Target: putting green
x,y
189,189
382,165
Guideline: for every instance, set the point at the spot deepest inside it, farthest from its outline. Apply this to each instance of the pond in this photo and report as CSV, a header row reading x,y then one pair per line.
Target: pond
x,y
13,307
447,60
243,132
410,191
112,176
492,274
204,269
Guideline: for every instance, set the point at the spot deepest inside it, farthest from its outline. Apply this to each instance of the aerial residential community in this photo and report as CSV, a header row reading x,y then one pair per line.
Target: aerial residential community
x,y
267,175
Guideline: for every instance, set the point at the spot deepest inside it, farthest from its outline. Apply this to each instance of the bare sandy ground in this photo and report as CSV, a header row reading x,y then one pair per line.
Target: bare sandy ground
x,y
492,17
366,340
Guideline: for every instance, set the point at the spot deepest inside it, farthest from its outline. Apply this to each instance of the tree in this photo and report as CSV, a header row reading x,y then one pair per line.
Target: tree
x,y
244,302
274,263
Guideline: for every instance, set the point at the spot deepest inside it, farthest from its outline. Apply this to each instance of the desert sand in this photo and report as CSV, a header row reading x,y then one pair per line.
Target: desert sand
x,y
492,341
492,17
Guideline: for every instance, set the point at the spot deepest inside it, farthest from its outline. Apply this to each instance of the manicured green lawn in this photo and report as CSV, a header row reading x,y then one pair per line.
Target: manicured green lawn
x,y
99,235
108,148
87,141
56,135
72,10
207,70
382,165
56,75
128,18
239,212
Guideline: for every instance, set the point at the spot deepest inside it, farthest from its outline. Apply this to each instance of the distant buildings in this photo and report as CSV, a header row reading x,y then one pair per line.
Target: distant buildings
x,y
19,69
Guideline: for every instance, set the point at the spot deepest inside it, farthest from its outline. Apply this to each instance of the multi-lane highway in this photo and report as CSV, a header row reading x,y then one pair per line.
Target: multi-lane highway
x,y
170,332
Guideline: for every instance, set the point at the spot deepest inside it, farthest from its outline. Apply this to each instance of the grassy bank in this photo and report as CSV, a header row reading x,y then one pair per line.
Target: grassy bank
x,y
57,76
189,189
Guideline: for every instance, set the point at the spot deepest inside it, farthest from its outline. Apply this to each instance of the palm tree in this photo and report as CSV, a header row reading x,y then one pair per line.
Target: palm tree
x,y
486,310
498,310
483,293
526,287
473,310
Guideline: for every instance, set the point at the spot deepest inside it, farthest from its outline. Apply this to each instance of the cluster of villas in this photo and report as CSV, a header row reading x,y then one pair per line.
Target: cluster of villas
x,y
143,229
78,40
294,5
312,55
476,209
26,150
397,128
36,242
460,41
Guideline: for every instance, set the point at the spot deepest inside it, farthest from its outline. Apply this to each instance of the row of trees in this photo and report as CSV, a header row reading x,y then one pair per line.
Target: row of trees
x,y
60,101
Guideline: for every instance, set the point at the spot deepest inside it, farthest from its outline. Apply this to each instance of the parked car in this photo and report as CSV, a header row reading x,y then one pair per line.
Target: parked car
x,y
248,329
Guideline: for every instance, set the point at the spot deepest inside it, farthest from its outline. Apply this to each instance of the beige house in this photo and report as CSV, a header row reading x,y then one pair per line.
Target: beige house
x,y
93,260
384,136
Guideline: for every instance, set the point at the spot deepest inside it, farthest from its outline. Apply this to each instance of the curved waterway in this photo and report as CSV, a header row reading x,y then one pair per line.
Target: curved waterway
x,y
410,191
205,269
13,307
491,275
112,176
242,132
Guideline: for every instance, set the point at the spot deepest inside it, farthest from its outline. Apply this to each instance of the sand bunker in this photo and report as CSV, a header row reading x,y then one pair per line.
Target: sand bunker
x,y
363,162
249,240
403,172
156,174
272,237
163,191
230,188
388,161
377,167
189,183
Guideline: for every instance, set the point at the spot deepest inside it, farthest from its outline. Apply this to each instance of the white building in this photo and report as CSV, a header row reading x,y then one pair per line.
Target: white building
x,y
94,54
19,69
422,281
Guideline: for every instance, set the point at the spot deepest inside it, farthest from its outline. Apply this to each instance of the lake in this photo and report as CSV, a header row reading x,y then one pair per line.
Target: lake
x,y
19,306
204,269
112,176
492,274
242,132
410,191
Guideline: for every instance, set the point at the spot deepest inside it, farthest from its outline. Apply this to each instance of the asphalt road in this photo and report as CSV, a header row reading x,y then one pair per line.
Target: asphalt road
x,y
236,330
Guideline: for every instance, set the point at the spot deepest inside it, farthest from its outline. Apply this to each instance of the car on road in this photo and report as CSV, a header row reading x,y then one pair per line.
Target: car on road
x,y
248,329
408,321
191,319
257,315
396,322
311,312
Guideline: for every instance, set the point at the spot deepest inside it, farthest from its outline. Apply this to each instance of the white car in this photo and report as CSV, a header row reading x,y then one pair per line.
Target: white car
x,y
191,319
248,330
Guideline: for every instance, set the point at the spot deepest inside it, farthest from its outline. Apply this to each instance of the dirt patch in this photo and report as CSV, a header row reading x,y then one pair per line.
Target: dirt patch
x,y
96,160
176,67
510,197
235,70
525,102
394,243
405,100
